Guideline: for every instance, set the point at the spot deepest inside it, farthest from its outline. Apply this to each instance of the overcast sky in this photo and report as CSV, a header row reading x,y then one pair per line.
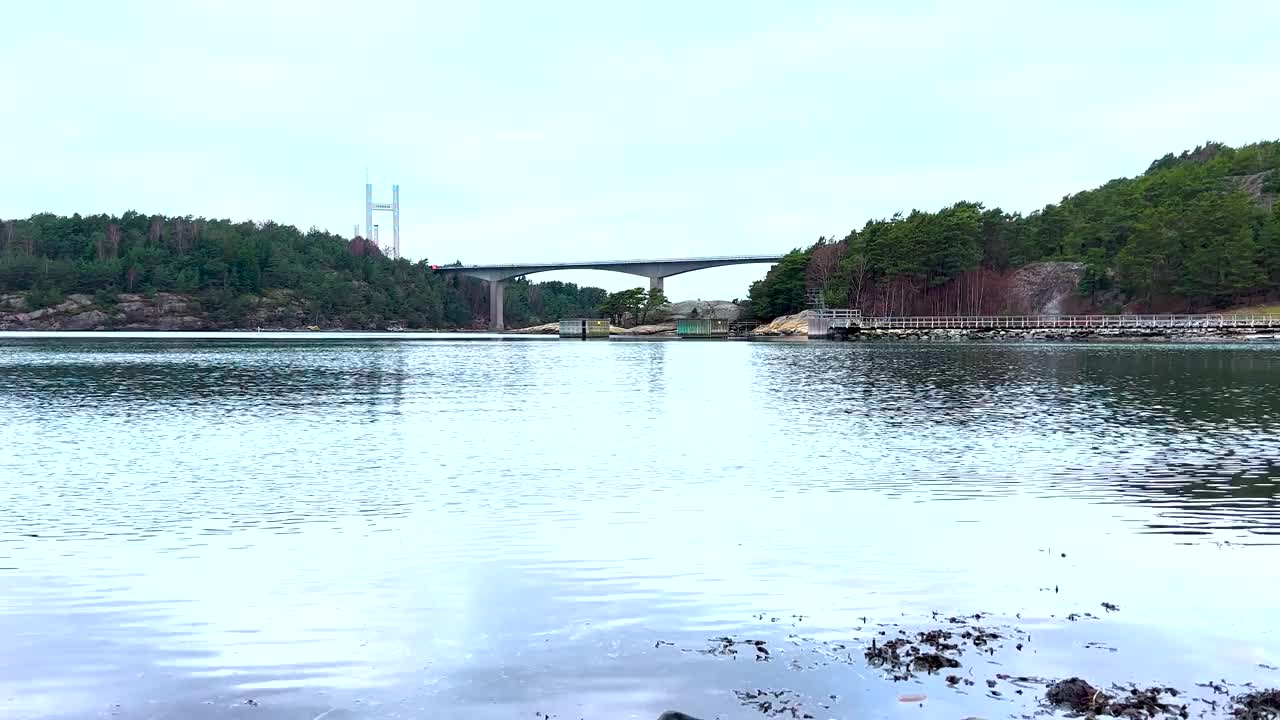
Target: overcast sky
x,y
555,131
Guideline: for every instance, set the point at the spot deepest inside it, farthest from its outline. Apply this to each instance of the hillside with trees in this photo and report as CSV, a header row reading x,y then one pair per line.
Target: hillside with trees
x,y
1195,232
241,274
528,303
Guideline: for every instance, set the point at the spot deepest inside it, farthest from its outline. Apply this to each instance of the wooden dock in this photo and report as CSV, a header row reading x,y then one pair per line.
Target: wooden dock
x,y
826,323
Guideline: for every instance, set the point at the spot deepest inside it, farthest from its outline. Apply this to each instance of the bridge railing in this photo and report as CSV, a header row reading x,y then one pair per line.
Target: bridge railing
x,y
728,259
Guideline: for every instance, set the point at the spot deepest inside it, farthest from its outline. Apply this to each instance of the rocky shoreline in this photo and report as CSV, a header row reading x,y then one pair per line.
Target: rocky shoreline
x,y
276,310
280,311
163,311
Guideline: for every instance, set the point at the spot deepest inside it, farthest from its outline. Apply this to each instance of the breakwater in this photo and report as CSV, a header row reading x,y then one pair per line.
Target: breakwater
x,y
1058,334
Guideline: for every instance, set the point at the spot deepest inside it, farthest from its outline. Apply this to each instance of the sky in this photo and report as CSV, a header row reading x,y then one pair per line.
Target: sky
x,y
563,131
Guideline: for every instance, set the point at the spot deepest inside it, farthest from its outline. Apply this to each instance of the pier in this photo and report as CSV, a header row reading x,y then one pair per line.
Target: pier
x,y
829,323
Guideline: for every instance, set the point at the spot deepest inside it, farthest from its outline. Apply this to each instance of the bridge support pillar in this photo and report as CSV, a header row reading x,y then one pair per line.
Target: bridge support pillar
x,y
495,305
655,283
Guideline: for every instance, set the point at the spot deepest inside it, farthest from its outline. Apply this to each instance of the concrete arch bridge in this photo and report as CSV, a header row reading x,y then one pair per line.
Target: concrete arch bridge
x,y
655,270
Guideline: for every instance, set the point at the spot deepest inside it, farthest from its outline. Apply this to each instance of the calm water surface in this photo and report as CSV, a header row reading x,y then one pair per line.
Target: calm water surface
x,y
367,528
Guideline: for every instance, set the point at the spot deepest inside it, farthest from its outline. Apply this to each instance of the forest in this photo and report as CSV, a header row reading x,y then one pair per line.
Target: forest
x,y
1195,232
228,265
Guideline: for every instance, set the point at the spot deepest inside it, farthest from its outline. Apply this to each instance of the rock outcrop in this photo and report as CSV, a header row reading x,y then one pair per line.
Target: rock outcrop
x,y
162,311
714,309
1256,187
281,309
651,330
545,329
646,330
87,320
277,309
77,312
1046,288
787,325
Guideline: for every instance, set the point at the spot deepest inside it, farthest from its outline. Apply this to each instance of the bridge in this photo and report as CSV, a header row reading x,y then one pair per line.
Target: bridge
x,y
655,270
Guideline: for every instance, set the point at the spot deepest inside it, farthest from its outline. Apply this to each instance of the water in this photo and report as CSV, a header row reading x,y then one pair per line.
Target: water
x,y
356,527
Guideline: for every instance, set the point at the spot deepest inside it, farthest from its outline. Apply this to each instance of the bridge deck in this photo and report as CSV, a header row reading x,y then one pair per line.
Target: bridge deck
x,y
730,259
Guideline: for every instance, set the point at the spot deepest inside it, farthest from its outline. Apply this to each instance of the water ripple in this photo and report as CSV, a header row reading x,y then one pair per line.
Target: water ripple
x,y
374,527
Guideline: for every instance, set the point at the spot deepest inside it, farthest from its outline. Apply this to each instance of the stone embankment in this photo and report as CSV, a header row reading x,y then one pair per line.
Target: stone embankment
x,y
798,326
1065,335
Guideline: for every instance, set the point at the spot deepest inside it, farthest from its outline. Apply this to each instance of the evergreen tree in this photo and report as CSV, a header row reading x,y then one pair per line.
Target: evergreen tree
x,y
1189,232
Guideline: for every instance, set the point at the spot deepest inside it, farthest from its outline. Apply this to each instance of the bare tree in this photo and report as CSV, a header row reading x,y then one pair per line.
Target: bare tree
x,y
109,243
184,235
857,279
824,263
536,307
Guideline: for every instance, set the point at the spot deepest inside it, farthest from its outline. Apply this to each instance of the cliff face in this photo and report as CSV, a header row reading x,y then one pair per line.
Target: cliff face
x,y
1046,288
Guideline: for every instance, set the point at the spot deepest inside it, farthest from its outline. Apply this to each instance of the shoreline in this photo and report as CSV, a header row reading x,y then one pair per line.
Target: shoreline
x,y
980,664
884,337
280,313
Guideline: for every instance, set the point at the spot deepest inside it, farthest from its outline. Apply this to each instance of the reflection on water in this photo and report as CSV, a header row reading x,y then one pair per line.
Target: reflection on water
x,y
373,528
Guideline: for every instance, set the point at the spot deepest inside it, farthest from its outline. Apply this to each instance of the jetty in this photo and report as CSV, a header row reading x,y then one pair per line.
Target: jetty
x,y
841,323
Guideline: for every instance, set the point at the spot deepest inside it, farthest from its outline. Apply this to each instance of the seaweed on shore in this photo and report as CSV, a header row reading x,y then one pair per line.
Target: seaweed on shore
x,y
1258,705
729,646
1134,703
774,703
931,651
904,654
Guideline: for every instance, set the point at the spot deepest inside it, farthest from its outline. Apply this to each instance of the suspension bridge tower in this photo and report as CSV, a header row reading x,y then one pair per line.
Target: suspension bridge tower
x,y
393,207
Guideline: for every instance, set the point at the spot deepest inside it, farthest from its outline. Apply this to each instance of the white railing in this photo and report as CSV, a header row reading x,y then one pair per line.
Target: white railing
x,y
840,318
943,322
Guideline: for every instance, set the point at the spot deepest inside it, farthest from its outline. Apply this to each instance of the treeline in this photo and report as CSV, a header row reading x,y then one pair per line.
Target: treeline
x,y
1196,231
228,265
527,303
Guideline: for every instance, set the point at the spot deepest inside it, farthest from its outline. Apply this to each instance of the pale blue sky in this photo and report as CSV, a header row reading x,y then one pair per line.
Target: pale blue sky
x,y
585,130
